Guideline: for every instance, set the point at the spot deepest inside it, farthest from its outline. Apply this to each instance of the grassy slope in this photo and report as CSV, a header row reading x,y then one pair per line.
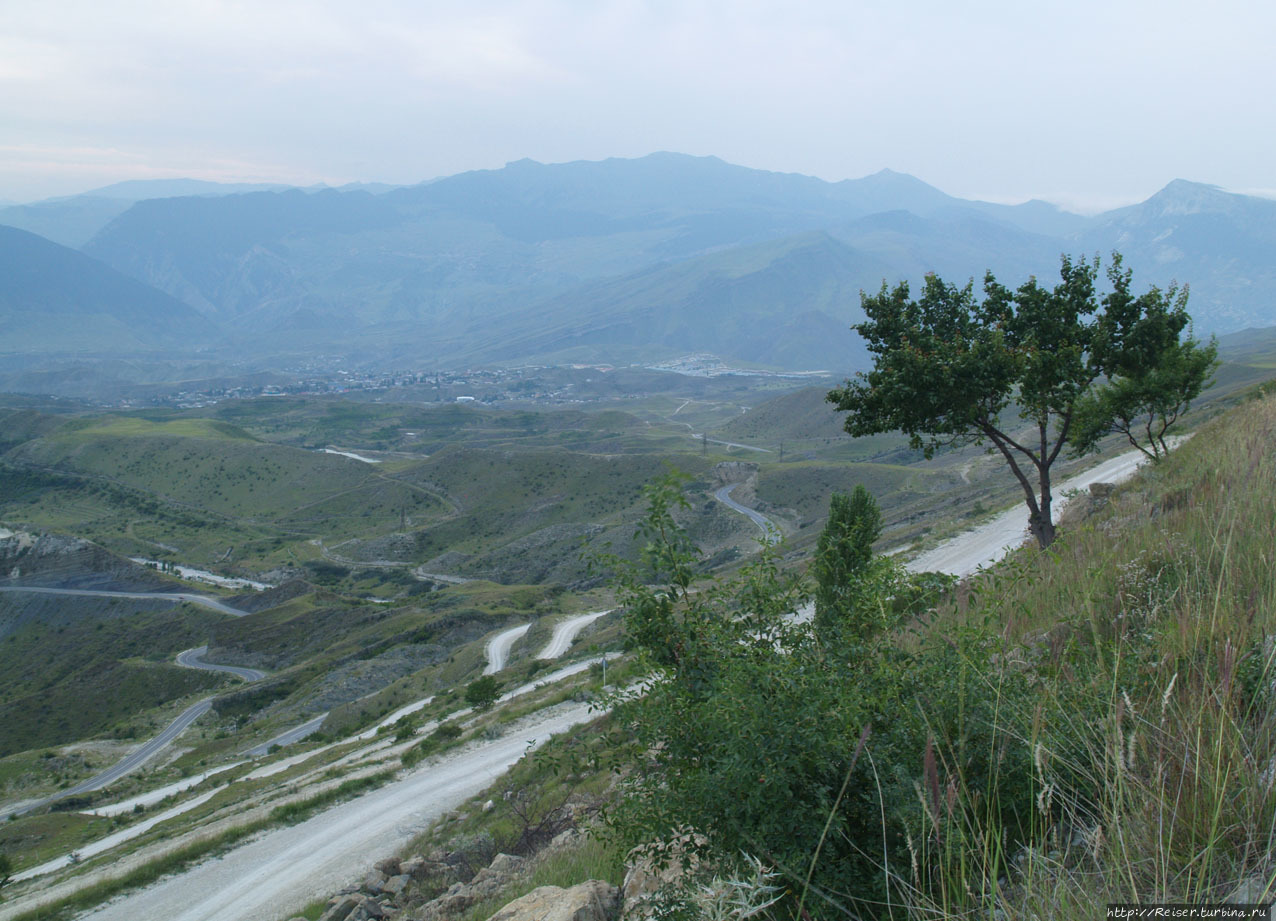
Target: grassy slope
x,y
71,681
214,466
505,496
1149,629
317,423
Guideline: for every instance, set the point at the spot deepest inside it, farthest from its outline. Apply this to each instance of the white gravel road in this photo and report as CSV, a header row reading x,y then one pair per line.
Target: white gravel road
x,y
105,844
282,870
499,646
565,631
984,545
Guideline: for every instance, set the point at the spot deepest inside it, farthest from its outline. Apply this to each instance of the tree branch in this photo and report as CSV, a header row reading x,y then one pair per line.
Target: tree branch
x,y
999,439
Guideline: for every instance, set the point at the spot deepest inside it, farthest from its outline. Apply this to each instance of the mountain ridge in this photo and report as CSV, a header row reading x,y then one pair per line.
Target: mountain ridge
x,y
444,270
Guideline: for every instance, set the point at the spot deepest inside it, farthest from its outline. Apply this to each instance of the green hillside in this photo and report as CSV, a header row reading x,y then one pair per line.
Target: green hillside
x,y
210,468
1076,727
60,682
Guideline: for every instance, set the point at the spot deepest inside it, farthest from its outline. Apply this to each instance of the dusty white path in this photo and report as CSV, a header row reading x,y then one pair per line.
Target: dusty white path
x,y
565,632
351,455
105,844
984,545
498,648
146,800
281,871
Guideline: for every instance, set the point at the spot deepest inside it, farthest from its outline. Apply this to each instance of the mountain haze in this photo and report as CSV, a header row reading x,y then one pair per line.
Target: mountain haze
x,y
54,299
630,260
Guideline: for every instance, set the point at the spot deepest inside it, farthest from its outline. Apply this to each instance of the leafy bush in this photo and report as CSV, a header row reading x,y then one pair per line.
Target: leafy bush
x,y
812,753
448,732
482,693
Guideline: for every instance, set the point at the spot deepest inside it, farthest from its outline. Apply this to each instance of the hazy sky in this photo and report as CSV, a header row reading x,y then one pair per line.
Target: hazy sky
x,y
1085,103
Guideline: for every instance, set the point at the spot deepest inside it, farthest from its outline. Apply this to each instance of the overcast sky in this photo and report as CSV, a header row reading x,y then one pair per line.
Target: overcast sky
x,y
1087,103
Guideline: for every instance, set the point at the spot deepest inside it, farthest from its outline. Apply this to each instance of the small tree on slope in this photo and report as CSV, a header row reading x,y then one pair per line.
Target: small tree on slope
x,y
948,369
842,556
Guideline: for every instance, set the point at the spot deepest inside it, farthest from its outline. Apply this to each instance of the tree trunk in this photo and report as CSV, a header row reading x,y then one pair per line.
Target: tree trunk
x,y
1042,528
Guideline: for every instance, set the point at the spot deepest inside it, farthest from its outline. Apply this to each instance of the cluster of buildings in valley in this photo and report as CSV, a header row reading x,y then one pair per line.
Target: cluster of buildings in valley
x,y
544,385
531,384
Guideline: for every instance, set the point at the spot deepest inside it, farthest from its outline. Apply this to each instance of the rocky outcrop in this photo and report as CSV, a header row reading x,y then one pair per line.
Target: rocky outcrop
x,y
444,886
734,472
56,561
593,900
489,881
272,597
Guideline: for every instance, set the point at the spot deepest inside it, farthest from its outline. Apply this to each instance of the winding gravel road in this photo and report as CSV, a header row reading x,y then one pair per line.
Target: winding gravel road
x,y
175,597
990,541
284,869
190,659
498,648
295,734
565,632
131,761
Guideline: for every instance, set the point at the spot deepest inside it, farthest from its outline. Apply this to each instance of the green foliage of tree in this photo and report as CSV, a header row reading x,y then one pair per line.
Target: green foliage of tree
x,y
761,739
843,555
1153,373
482,693
1029,370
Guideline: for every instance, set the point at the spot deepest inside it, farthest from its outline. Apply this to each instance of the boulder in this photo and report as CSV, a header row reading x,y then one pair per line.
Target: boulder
x,y
342,907
374,882
593,900
569,838
495,876
395,886
505,864
448,906
423,868
389,866
415,867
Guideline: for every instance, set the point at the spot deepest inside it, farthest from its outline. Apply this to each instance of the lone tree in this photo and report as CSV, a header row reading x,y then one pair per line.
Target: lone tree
x,y
483,693
1073,364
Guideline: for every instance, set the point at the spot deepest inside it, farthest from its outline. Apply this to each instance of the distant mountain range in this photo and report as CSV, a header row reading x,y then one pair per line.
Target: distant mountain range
x,y
55,298
617,260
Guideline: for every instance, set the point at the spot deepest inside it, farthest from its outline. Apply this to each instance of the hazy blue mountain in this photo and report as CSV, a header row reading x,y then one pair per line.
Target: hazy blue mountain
x,y
374,188
230,256
1035,216
786,303
56,300
638,257
142,189
1220,243
478,242
958,245
72,220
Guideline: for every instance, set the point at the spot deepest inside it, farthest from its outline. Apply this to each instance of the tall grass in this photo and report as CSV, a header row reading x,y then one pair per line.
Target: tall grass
x,y
1148,635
